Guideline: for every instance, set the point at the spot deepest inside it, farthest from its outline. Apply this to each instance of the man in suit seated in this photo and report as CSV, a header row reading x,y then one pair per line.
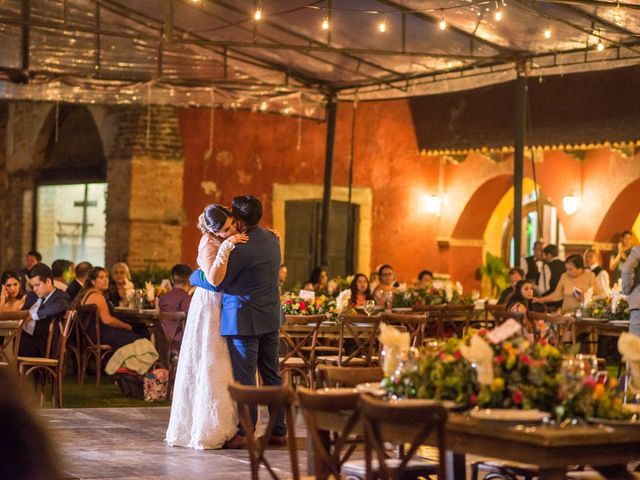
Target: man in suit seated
x,y
82,273
46,304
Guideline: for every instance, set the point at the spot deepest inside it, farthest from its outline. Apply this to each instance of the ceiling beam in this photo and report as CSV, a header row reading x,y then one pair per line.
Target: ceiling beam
x,y
596,3
597,19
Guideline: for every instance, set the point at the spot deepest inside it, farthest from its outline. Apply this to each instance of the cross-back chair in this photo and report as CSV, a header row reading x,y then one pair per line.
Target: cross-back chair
x,y
50,367
357,343
455,320
331,459
92,346
332,376
277,399
415,324
299,334
429,422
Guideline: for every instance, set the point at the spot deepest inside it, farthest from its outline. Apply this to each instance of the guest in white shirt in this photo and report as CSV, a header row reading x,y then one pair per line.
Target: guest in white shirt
x,y
591,260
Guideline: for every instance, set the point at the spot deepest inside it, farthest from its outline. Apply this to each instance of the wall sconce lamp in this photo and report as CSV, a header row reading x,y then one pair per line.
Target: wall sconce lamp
x,y
433,204
570,204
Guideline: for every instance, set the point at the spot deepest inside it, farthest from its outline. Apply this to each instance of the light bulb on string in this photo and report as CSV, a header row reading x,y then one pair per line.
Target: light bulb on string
x,y
498,13
325,23
547,33
382,26
443,23
257,15
600,46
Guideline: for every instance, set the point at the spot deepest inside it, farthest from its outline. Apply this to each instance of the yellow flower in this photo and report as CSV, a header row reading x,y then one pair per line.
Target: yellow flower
x,y
613,382
497,384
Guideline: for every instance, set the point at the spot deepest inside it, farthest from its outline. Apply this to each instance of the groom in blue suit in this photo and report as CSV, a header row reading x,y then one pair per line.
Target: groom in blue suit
x,y
251,310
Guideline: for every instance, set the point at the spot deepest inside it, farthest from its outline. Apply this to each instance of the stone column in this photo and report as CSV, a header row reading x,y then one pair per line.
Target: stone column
x,y
145,188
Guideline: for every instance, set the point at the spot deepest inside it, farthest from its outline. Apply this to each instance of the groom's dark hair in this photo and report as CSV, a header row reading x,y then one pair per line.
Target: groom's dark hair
x,y
247,209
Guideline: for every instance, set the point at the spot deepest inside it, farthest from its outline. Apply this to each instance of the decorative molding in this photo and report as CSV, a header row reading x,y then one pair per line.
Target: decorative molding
x,y
363,197
447,242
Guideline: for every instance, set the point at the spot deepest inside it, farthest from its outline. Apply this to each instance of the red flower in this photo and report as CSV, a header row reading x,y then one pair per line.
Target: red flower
x,y
517,397
525,359
442,356
457,354
542,342
482,332
303,306
473,399
499,358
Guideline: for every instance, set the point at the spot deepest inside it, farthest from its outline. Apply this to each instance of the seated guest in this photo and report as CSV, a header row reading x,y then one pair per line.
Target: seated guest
x,y
178,299
12,296
282,278
31,259
320,280
113,332
572,285
307,286
360,291
425,279
82,272
521,299
45,304
121,284
591,261
515,275
387,284
62,271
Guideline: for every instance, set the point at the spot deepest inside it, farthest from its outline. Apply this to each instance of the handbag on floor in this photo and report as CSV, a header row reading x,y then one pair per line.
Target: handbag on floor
x,y
130,383
156,385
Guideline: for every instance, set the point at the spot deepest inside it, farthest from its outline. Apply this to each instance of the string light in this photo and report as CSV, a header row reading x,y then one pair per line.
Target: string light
x,y
600,46
257,15
382,26
325,23
443,23
547,33
498,13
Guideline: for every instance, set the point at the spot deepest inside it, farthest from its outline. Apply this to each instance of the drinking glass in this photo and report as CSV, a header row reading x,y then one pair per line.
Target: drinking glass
x,y
369,307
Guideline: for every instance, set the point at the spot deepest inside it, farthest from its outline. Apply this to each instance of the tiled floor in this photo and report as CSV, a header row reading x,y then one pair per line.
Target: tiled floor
x,y
127,443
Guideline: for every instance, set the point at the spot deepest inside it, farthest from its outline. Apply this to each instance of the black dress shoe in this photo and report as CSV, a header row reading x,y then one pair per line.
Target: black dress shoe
x,y
236,443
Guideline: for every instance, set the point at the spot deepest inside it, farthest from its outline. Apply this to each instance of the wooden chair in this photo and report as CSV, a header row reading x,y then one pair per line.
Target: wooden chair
x,y
332,376
277,399
88,322
558,329
11,324
299,333
170,326
363,331
455,320
493,314
378,415
47,367
415,324
332,456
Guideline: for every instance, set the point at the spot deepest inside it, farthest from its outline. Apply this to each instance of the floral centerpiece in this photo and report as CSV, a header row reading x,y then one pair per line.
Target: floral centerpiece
x,y
292,304
450,295
608,309
512,373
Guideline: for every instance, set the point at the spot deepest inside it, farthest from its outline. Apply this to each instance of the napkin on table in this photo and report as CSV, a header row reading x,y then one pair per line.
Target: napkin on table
x,y
395,344
480,353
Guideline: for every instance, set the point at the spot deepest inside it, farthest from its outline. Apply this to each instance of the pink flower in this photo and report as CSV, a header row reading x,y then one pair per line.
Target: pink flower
x,y
517,397
303,306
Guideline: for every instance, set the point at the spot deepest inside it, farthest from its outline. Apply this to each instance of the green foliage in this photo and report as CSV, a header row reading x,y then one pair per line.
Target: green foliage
x,y
495,269
154,275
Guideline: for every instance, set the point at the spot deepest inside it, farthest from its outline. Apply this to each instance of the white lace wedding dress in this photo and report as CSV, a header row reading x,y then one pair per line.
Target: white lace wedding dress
x,y
203,416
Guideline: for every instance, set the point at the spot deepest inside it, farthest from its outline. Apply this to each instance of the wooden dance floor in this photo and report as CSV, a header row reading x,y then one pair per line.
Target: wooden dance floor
x,y
127,443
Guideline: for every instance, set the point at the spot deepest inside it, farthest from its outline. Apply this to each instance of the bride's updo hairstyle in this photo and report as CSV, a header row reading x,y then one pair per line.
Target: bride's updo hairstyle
x,y
213,219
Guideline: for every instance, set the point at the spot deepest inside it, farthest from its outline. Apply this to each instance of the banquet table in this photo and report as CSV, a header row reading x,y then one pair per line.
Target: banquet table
x,y
551,448
143,321
595,328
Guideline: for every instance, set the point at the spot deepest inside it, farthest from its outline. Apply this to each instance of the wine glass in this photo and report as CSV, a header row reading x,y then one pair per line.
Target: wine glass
x,y
369,307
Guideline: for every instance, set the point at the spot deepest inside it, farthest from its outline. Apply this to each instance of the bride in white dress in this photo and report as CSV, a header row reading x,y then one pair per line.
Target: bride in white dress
x,y
203,416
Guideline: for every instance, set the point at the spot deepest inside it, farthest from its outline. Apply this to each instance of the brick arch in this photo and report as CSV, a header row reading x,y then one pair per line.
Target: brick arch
x,y
481,205
622,213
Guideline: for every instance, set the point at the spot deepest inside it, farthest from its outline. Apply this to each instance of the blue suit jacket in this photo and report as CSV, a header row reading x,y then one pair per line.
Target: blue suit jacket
x,y
251,301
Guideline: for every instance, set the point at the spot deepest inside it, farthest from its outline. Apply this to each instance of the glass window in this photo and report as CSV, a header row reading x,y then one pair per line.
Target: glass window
x,y
71,222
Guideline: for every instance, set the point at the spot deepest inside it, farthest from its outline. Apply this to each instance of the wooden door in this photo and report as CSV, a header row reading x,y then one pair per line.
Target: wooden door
x,y
302,240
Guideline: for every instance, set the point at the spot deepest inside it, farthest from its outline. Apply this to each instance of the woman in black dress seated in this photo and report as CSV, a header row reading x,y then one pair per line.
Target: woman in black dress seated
x,y
113,332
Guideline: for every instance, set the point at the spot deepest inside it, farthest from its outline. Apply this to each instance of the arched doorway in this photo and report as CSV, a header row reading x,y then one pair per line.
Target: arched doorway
x,y
623,214
70,176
